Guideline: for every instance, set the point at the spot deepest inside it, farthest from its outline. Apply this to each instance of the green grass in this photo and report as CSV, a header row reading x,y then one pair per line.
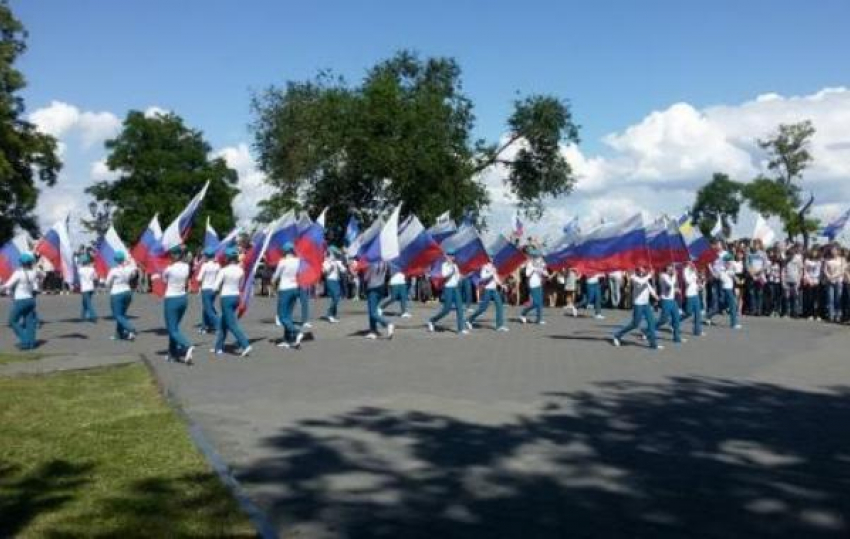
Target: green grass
x,y
14,358
98,453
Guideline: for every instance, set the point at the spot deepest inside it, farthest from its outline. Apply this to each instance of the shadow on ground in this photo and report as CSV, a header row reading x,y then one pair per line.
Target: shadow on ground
x,y
692,457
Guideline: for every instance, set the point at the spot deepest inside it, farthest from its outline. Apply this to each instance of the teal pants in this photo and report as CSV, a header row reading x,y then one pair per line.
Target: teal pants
x,y
285,304
333,290
451,300
640,313
398,292
693,307
373,298
119,304
496,298
209,318
230,322
88,313
670,314
304,298
174,308
23,322
536,303
594,297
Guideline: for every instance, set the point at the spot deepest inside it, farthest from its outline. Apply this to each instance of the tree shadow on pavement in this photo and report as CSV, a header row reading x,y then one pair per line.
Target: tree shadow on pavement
x,y
690,457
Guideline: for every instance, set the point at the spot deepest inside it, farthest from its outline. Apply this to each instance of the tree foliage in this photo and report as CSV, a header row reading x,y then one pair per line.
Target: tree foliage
x,y
718,199
161,165
403,134
25,153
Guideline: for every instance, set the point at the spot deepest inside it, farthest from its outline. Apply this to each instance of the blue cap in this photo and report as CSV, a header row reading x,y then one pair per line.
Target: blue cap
x,y
209,252
451,252
177,250
26,258
231,253
288,247
119,256
85,259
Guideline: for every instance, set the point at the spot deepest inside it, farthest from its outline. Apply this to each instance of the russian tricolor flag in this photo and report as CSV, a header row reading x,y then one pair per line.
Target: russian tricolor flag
x,y
608,247
697,245
383,246
417,249
506,256
310,248
181,227
11,253
259,244
56,247
104,252
469,250
443,228
228,241
665,244
211,241
281,232
148,246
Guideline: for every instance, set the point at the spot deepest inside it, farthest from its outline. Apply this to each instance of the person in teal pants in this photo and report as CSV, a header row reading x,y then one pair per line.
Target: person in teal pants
x,y
176,279
451,295
398,292
334,270
535,271
286,277
229,283
669,306
23,284
642,290
121,295
206,278
375,278
491,282
693,305
87,277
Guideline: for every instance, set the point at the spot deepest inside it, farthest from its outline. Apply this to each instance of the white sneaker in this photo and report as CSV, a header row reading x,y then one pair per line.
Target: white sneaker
x,y
523,319
283,344
683,341
131,336
246,352
277,321
406,315
575,312
541,323
658,347
503,329
187,359
431,327
298,339
390,331
464,332
306,325
737,326
468,325
371,336
643,336
380,312
332,320
615,341
599,317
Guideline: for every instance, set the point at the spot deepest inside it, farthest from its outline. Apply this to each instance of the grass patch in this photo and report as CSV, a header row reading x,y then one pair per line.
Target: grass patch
x,y
15,358
98,453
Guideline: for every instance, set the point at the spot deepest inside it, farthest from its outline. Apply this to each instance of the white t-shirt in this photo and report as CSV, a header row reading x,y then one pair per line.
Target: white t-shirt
x,y
207,274
812,269
376,275
489,276
24,282
451,273
535,270
835,268
398,278
229,279
691,282
286,273
175,276
727,278
118,279
641,289
668,286
332,269
593,279
87,276
616,275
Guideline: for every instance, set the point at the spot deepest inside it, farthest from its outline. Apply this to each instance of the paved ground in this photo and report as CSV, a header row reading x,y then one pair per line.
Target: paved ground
x,y
546,431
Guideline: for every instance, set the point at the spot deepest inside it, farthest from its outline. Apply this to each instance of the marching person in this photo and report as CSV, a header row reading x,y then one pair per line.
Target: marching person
x,y
121,295
176,279
23,284
88,278
491,281
642,291
570,278
398,292
286,276
206,277
727,278
228,283
535,271
375,279
669,306
594,294
693,304
304,293
451,295
333,268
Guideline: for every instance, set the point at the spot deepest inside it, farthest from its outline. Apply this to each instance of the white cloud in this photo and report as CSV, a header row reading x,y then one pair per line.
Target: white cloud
x,y
155,111
62,120
100,172
252,187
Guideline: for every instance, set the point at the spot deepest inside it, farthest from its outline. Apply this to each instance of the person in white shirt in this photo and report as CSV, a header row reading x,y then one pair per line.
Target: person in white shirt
x,y
288,291
833,271
615,288
594,294
451,295
206,277
23,284
693,305
717,267
176,279
88,277
792,275
398,291
120,295
375,278
334,271
535,272
669,284
642,291
811,284
491,282
727,278
228,283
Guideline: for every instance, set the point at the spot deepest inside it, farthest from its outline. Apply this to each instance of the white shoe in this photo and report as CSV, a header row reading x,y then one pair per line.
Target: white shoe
x,y
541,323
246,352
131,336
683,341
390,331
464,332
523,319
503,329
332,320
737,326
615,341
643,336
575,312
431,327
371,336
283,344
298,339
306,325
468,325
406,315
380,312
599,317
187,359
277,321
658,347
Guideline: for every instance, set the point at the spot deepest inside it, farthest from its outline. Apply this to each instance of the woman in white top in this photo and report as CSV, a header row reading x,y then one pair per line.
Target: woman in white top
x,y
333,269
24,284
535,271
492,283
288,292
229,283
833,270
88,277
206,276
375,278
451,296
811,284
642,291
398,291
693,303
176,277
669,306
120,295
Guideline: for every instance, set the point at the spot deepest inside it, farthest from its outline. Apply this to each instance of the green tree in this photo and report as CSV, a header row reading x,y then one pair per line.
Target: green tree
x,y
718,199
403,134
25,154
162,164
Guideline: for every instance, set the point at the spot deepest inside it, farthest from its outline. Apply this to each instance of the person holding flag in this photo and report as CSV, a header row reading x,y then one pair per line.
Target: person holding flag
x,y
176,279
286,275
450,274
492,283
726,277
334,269
535,272
693,304
375,278
206,277
87,276
23,284
642,291
228,283
669,307
121,295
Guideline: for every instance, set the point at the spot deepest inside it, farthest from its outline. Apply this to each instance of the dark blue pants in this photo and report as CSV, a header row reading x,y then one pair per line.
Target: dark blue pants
x,y
230,322
333,289
373,297
209,318
451,300
23,322
88,313
285,304
693,307
536,294
304,298
398,292
174,309
495,297
594,297
640,312
670,314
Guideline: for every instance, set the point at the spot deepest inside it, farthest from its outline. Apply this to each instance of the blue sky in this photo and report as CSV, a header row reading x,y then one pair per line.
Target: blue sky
x,y
617,62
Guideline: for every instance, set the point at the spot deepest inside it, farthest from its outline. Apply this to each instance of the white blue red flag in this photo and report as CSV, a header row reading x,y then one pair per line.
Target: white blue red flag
x,y
383,246
417,249
469,251
506,256
699,248
282,231
181,227
148,246
253,258
10,254
609,247
310,248
211,241
833,229
56,247
443,228
104,252
320,220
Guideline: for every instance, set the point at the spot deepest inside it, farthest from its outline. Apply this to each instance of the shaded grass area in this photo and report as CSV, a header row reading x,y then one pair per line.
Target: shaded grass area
x,y
15,358
98,453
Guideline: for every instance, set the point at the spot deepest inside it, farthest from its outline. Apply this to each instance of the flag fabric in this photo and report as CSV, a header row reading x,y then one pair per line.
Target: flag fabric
x,y
417,248
470,253
383,246
717,229
610,247
320,220
443,228
519,229
310,248
104,252
148,245
355,247
571,228
181,227
352,230
259,244
282,231
211,241
11,253
834,228
763,232
56,247
699,249
506,256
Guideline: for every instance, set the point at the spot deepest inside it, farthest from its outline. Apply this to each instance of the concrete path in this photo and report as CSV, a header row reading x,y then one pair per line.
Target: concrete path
x,y
546,431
